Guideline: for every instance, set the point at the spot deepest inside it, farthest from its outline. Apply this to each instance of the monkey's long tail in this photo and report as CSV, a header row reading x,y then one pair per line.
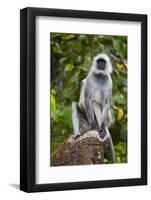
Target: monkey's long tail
x,y
111,145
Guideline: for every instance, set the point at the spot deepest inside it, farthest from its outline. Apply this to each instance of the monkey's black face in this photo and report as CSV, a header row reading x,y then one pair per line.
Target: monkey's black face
x,y
101,63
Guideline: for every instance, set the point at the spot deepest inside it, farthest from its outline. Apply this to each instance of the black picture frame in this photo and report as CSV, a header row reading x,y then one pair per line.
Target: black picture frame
x,y
28,98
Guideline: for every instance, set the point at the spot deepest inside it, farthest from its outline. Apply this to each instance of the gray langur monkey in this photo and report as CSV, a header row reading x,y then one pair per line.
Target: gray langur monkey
x,y
92,112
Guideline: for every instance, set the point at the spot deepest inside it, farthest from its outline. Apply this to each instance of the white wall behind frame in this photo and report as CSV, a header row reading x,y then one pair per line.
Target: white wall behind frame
x,y
9,101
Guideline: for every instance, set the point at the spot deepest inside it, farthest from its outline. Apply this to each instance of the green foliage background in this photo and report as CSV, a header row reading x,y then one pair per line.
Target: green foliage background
x,y
71,57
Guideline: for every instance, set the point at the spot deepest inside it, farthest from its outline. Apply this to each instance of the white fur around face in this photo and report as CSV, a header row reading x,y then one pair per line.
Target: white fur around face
x,y
108,69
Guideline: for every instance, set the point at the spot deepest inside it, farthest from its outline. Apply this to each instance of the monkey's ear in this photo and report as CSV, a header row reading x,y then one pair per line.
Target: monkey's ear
x,y
110,69
109,66
83,80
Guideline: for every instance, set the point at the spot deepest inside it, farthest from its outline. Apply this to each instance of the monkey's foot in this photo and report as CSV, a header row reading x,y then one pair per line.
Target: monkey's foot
x,y
103,135
77,136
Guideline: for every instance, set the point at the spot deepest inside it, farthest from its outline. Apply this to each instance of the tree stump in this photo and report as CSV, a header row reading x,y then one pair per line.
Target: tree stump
x,y
86,149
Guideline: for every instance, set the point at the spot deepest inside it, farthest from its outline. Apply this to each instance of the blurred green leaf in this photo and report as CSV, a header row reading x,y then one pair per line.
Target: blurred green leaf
x,y
68,67
118,99
120,47
113,118
53,103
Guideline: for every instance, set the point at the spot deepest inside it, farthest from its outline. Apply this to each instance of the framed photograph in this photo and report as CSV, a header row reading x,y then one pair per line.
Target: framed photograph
x,y
83,99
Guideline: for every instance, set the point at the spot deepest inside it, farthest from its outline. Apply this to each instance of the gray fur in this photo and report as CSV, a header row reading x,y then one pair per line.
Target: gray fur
x,y
95,99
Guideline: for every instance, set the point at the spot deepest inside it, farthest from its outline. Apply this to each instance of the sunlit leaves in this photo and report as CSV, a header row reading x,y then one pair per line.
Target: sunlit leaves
x,y
120,65
120,114
53,101
69,36
68,67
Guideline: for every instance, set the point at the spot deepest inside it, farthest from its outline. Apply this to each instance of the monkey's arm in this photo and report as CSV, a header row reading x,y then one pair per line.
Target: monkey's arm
x,y
88,105
106,115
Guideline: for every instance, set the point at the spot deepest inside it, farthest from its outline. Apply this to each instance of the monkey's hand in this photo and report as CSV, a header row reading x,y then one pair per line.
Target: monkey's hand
x,y
103,135
92,126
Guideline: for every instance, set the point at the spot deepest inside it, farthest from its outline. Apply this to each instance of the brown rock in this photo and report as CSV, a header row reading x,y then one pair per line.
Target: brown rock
x,y
87,149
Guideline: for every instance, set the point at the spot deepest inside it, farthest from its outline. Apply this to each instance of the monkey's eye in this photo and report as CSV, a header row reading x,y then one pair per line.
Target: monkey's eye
x,y
101,64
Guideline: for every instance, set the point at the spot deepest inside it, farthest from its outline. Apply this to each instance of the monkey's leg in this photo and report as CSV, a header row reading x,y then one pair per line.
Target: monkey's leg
x,y
99,118
89,112
105,114
97,113
75,120
83,121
